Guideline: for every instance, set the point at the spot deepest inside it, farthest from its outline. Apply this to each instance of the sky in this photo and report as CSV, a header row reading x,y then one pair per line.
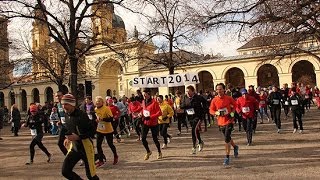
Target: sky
x,y
212,42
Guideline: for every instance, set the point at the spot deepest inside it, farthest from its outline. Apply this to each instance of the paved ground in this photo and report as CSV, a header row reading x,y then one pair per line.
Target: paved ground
x,y
273,156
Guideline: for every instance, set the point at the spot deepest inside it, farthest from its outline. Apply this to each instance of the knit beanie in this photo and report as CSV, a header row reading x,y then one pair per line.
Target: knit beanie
x,y
68,99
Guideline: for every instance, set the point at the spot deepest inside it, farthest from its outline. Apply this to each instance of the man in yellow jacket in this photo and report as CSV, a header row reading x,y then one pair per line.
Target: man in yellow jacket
x,y
164,120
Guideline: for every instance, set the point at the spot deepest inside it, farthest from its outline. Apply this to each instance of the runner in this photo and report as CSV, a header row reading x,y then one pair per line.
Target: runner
x,y
252,93
194,105
151,112
246,107
104,130
135,109
274,100
263,106
61,123
115,123
296,102
181,114
34,122
285,97
223,107
89,109
317,96
79,130
164,120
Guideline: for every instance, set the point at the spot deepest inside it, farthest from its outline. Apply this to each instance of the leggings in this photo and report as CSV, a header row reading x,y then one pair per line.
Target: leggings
x,y
86,153
164,132
109,137
137,126
195,123
248,127
115,127
276,111
37,140
154,132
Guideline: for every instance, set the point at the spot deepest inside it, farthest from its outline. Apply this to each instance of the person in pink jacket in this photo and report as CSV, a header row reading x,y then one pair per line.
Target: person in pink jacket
x,y
150,113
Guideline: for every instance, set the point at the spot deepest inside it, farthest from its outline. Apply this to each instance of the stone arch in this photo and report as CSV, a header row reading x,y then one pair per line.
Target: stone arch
x,y
35,95
110,62
24,102
245,72
206,81
110,76
255,73
213,74
235,76
49,94
304,72
311,60
267,75
1,99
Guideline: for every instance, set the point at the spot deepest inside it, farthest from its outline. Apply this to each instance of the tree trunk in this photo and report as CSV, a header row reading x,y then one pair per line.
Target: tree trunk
x,y
74,76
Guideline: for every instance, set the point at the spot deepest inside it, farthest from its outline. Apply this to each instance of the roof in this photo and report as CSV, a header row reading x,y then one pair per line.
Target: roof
x,y
262,41
117,22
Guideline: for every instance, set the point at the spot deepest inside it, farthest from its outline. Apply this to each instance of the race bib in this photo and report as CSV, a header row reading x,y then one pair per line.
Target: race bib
x,y
262,102
90,116
101,126
146,113
223,111
33,132
63,120
190,111
276,101
245,109
294,102
286,103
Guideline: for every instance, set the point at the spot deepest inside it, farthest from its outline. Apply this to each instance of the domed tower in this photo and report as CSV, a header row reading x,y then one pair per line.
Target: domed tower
x,y
106,25
102,21
40,39
40,31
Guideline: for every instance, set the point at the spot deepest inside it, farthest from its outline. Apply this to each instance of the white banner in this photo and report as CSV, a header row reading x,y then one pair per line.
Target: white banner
x,y
166,81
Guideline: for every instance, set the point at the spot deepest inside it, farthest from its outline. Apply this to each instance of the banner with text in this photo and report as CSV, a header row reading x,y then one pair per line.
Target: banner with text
x,y
166,81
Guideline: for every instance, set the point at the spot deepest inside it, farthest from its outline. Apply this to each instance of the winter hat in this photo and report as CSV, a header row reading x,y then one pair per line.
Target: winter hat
x,y
68,99
33,108
244,91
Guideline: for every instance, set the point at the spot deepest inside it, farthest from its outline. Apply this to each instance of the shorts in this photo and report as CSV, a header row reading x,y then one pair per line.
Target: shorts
x,y
226,131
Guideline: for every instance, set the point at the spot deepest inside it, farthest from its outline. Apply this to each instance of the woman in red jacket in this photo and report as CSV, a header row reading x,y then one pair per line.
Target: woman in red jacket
x,y
263,105
135,109
150,113
317,96
116,113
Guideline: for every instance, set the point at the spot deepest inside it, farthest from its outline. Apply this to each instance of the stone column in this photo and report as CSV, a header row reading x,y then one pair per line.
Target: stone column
x,y
317,78
285,78
251,80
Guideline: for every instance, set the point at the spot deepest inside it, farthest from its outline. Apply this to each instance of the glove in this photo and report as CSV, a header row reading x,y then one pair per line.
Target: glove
x,y
232,114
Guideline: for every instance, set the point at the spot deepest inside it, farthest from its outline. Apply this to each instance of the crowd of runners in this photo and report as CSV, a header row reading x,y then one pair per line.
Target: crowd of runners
x,y
110,119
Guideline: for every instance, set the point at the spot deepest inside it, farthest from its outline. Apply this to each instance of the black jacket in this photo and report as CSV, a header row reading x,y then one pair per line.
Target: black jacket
x,y
79,123
275,97
298,99
198,103
35,122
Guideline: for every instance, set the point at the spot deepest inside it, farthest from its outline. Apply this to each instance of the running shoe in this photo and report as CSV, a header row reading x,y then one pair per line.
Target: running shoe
x,y
159,155
294,130
169,140
236,151
194,151
279,130
200,146
301,131
164,146
209,125
1,138
81,163
49,158
226,161
29,163
179,133
100,164
146,157
115,160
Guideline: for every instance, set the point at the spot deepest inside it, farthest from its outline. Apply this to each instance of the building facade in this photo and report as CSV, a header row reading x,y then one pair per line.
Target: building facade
x,y
109,73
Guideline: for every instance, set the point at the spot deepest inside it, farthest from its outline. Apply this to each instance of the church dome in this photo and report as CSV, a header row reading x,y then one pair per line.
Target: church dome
x,y
117,22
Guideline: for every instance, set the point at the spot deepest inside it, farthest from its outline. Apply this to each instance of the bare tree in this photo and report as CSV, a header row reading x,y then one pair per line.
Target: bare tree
x,y
284,22
66,21
169,24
